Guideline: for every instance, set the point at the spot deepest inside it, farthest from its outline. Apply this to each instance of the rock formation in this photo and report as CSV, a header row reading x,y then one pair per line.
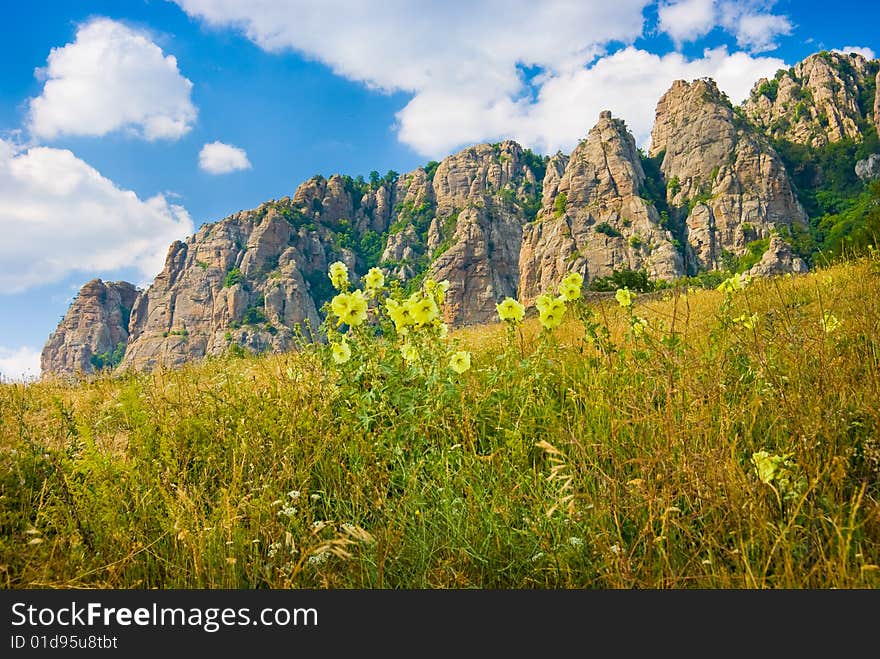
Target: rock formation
x,y
777,260
593,218
480,194
869,168
820,100
94,332
724,181
877,102
493,219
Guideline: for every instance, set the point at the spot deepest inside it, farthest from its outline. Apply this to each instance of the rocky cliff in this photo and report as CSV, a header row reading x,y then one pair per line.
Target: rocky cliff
x,y
94,332
258,279
594,219
877,101
474,238
826,98
493,219
725,183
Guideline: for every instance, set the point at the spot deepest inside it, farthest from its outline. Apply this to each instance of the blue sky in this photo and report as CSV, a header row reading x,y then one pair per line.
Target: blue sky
x,y
101,142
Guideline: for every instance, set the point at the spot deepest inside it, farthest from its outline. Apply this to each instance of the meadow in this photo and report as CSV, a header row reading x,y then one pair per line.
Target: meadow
x,y
687,439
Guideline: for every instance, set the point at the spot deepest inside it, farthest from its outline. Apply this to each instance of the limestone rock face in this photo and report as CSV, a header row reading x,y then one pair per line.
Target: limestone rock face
x,y
869,168
494,219
465,225
820,100
239,281
479,195
877,101
778,260
593,219
95,325
725,184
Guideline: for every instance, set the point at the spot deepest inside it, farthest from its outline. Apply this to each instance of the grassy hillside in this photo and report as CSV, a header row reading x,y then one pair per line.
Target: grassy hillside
x,y
709,439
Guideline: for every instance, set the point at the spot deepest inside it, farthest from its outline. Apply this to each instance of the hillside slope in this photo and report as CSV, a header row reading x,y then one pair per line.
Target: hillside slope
x,y
708,439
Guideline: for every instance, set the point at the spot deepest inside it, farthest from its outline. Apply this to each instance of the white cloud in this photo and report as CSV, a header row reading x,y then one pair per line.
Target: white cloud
x,y
220,158
410,46
753,24
58,215
864,51
19,364
111,77
463,61
758,32
629,83
687,20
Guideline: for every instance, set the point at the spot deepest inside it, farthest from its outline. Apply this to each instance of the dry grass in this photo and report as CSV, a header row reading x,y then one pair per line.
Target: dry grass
x,y
549,464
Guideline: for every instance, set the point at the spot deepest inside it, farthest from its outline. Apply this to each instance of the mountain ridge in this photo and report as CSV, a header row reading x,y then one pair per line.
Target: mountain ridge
x,y
496,220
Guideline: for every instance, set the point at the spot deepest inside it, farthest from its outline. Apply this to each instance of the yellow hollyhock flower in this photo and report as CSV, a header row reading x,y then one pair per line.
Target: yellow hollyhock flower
x,y
437,289
410,353
624,297
460,361
355,311
339,305
511,310
341,352
552,312
374,280
543,301
575,278
570,287
338,275
735,283
399,314
424,310
440,293
569,291
639,326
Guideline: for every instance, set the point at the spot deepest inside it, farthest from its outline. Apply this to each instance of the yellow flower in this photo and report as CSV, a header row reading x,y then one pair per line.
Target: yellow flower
x,y
544,301
350,308
423,310
749,322
639,326
339,305
552,312
460,361
735,283
374,280
409,352
399,314
443,330
570,288
569,291
437,289
830,322
624,297
440,293
511,310
341,352
575,278
338,275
